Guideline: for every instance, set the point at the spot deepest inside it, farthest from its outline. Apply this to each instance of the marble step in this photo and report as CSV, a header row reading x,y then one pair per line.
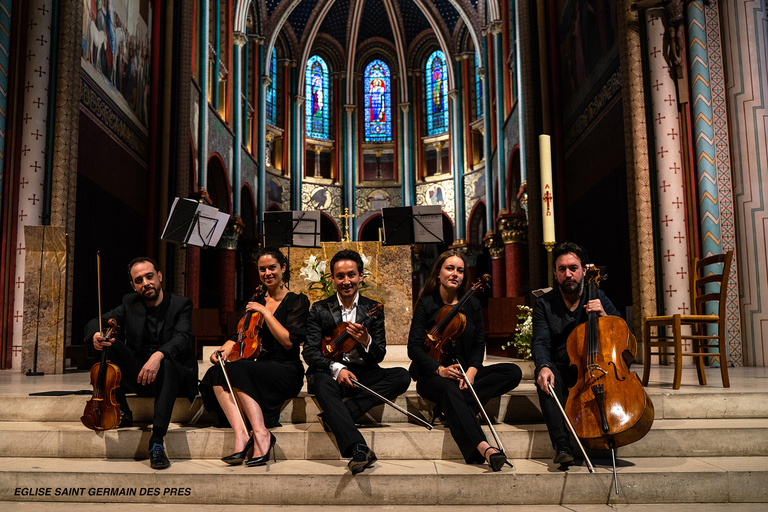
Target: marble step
x,y
651,480
397,441
519,406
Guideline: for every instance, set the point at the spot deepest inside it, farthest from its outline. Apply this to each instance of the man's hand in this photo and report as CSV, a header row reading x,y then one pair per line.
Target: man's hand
x,y
148,372
346,377
471,373
359,332
596,306
99,341
450,372
546,378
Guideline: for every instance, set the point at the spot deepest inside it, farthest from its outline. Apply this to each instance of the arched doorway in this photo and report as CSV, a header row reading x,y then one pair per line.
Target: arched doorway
x,y
371,229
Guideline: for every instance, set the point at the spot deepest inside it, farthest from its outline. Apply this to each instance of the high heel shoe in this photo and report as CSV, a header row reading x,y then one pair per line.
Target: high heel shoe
x,y
260,461
238,458
497,460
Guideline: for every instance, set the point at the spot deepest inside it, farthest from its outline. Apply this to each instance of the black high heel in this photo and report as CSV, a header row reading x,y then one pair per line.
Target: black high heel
x,y
496,460
260,461
238,458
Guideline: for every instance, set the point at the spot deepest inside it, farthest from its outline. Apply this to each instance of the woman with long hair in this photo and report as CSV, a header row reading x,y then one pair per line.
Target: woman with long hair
x,y
263,384
443,382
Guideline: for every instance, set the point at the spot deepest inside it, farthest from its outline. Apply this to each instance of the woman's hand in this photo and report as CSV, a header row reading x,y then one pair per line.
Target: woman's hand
x,y
256,307
223,352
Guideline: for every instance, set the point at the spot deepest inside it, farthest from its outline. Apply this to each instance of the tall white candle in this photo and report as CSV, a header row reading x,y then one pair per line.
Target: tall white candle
x,y
547,197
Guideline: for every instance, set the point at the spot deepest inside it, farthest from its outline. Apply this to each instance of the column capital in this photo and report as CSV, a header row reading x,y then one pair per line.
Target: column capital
x,y
350,108
481,73
300,100
514,229
405,107
239,39
495,27
235,228
453,93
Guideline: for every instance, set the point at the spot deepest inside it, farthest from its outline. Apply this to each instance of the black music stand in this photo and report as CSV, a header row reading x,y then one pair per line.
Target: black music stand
x,y
413,225
194,223
291,229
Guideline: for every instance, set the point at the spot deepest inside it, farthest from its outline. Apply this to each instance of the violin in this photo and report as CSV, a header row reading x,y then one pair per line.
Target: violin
x,y
248,343
450,323
336,344
102,411
608,405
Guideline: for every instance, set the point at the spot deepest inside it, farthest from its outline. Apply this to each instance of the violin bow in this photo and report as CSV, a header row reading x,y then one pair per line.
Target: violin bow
x,y
391,403
482,409
231,392
568,422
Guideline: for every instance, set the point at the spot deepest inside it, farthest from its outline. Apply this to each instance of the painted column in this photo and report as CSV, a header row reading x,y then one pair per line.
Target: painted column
x,y
745,39
502,167
237,119
261,123
202,138
5,44
34,119
513,230
406,152
519,82
669,168
349,172
487,142
192,291
456,171
227,272
498,268
725,200
298,167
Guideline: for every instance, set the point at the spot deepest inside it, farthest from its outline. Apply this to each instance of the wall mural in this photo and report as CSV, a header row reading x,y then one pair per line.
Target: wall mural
x,y
440,193
116,48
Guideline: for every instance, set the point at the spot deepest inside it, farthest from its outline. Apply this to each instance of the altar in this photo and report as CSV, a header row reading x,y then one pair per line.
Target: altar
x,y
388,279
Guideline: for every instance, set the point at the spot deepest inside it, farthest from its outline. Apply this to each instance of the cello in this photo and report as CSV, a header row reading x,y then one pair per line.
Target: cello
x,y
608,406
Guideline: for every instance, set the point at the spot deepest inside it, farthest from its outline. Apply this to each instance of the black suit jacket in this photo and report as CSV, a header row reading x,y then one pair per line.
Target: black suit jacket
x,y
324,316
174,333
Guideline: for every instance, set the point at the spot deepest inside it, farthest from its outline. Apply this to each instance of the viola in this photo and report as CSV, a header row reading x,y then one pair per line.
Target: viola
x,y
608,405
102,411
336,344
248,343
450,323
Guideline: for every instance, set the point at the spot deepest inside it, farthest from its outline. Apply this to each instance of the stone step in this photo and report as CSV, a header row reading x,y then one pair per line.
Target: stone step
x,y
397,441
649,480
171,507
519,406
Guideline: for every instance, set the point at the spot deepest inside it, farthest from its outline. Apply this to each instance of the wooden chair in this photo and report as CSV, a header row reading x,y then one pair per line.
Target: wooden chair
x,y
701,341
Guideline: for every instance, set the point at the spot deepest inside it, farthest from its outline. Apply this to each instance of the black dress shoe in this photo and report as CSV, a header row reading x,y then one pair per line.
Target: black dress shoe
x,y
126,419
563,454
362,457
157,457
497,459
238,458
321,418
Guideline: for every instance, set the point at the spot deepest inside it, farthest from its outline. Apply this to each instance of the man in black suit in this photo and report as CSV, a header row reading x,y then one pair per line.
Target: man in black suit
x,y
331,381
154,355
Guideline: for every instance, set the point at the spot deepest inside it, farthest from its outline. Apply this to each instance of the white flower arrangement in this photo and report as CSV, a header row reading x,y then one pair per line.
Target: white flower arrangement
x,y
523,333
320,279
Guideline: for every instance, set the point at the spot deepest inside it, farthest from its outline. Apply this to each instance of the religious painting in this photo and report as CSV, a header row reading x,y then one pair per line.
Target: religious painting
x,y
320,199
116,52
436,195
437,93
378,199
378,126
274,191
317,108
588,39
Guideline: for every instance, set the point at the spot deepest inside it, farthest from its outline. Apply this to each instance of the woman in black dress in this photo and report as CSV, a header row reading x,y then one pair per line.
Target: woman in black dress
x,y
444,384
261,386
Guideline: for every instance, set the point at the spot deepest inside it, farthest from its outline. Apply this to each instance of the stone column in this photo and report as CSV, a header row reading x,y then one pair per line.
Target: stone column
x,y
405,126
227,271
669,168
498,267
513,230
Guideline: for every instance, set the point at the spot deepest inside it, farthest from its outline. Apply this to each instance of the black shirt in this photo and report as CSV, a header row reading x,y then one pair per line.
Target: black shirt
x,y
153,326
553,323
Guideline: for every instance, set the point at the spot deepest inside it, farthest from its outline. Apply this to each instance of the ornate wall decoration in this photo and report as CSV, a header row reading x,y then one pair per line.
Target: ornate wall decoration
x,y
474,191
437,193
321,197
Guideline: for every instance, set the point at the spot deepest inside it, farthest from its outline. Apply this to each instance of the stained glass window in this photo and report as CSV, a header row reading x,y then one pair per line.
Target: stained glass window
x,y
317,108
378,125
437,94
272,90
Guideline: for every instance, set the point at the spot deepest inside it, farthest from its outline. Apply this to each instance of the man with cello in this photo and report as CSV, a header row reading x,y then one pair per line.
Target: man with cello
x,y
154,355
555,315
345,344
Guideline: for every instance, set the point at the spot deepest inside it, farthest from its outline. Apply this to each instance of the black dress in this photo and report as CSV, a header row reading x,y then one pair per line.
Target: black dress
x,y
458,405
276,376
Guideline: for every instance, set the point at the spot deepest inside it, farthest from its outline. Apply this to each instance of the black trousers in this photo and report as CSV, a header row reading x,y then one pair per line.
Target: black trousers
x,y
168,385
459,406
340,415
564,380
